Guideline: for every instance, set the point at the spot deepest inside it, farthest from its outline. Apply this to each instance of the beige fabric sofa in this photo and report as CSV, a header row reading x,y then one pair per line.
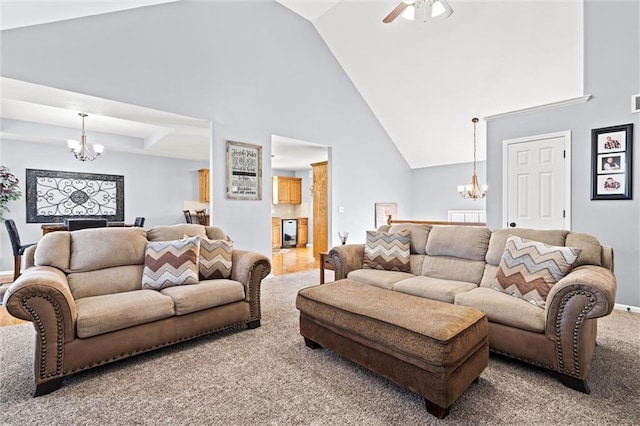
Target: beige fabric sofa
x,y
457,264
85,299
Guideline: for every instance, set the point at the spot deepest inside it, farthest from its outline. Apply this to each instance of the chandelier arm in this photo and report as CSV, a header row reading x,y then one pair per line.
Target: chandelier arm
x,y
473,191
83,152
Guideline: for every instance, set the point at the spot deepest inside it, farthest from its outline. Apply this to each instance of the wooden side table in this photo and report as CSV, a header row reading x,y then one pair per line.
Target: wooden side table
x,y
324,264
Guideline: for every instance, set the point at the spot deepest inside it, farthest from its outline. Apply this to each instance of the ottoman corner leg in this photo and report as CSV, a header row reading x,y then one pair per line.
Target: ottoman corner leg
x,y
436,410
311,344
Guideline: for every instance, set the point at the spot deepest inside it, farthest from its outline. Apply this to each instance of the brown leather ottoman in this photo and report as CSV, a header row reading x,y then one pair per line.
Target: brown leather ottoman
x,y
432,348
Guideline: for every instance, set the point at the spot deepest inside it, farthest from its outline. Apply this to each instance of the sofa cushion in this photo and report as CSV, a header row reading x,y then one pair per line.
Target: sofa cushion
x,y
116,247
378,278
204,295
499,239
433,288
169,263
111,312
54,249
504,309
489,276
453,268
388,251
465,242
215,258
419,235
215,233
105,281
417,263
175,232
529,269
591,250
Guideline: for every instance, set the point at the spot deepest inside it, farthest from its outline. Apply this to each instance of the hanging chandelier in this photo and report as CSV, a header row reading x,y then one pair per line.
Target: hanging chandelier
x,y
80,149
473,191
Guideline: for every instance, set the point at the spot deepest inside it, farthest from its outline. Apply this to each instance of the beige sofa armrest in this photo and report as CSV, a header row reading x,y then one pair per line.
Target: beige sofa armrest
x,y
587,292
346,258
607,258
28,258
42,295
250,269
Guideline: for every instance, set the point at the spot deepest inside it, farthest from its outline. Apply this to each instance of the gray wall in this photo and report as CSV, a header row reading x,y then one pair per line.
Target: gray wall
x,y
254,69
435,191
154,187
612,75
307,200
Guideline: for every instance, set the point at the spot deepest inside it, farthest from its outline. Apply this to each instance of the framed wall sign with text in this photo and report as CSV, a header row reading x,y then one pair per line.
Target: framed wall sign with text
x,y
611,162
244,171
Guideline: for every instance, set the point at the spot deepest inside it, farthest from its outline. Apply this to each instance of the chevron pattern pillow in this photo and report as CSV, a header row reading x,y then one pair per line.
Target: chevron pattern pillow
x,y
170,263
388,251
528,269
215,258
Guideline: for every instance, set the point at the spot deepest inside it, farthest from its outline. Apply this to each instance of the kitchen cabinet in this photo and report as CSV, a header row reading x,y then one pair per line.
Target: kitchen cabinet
x,y
303,232
287,190
203,184
276,232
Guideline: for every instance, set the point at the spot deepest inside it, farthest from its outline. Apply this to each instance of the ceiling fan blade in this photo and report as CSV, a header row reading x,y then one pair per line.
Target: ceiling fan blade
x,y
395,12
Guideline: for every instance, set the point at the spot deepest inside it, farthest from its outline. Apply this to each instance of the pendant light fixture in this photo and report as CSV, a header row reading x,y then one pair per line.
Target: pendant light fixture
x,y
81,150
473,191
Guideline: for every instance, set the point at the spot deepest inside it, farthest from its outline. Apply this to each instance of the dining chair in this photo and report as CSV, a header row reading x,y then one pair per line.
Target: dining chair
x,y
17,247
201,218
77,224
187,216
139,222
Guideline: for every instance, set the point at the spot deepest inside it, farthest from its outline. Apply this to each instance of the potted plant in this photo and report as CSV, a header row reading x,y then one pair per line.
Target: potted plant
x,y
9,190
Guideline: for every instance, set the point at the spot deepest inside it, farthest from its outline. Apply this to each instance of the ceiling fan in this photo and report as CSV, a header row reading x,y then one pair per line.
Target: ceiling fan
x,y
420,9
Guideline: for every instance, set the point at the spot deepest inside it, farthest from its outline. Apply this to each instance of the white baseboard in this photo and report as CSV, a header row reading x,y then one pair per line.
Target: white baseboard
x,y
627,308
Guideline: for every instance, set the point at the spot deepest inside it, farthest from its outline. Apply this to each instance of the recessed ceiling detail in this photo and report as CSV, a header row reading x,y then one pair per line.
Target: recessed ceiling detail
x,y
36,113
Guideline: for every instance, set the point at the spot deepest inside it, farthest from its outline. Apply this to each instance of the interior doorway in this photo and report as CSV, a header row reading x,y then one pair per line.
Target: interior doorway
x,y
291,161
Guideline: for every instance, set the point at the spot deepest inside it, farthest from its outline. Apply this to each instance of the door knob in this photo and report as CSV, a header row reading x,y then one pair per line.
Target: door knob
x,y
512,224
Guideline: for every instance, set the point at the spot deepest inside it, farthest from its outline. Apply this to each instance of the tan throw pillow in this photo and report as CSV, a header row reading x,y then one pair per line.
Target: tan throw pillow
x,y
170,263
388,251
215,258
528,269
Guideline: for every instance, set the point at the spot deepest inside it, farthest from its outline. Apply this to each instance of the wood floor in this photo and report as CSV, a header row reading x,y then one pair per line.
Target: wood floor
x,y
293,260
287,261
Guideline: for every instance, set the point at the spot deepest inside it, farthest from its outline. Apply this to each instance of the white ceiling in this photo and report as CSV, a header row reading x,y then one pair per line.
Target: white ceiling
x,y
426,82
423,82
292,154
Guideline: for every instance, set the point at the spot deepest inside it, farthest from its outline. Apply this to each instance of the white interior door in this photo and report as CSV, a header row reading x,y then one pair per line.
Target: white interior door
x,y
537,182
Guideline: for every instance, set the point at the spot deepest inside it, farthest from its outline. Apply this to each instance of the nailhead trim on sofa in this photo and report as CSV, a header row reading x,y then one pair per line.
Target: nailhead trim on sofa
x,y
576,331
43,333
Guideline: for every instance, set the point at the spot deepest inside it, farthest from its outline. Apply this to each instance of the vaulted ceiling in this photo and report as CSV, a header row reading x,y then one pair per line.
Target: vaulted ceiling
x,y
424,82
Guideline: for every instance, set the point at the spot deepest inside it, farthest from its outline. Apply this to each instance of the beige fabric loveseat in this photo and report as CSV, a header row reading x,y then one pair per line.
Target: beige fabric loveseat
x,y
85,298
458,264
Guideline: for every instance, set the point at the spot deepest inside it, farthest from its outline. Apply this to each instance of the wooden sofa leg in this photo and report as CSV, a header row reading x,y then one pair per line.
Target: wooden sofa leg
x,y
436,410
47,387
573,383
311,344
253,324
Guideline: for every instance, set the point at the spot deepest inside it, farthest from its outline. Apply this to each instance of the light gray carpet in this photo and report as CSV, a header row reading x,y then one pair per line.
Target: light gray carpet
x,y
268,376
